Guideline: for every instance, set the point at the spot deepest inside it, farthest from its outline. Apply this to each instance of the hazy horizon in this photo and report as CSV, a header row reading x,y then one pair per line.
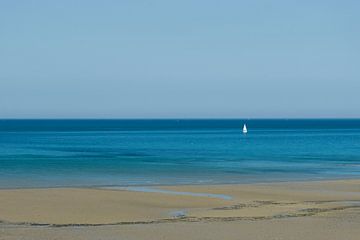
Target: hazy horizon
x,y
179,60
185,119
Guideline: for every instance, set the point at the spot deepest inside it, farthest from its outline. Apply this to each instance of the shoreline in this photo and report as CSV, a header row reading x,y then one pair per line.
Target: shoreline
x,y
342,178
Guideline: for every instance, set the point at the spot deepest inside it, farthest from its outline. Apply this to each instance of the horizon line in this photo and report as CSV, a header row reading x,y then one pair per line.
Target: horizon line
x,y
235,118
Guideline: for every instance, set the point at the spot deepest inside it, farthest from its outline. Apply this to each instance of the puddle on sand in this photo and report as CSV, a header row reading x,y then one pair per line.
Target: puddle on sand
x,y
157,190
178,213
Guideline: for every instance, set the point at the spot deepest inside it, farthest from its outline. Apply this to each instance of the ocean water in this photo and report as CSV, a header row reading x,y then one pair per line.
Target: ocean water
x,y
54,153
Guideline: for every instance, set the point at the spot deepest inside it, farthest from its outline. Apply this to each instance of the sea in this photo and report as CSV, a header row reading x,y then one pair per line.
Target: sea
x,y
151,152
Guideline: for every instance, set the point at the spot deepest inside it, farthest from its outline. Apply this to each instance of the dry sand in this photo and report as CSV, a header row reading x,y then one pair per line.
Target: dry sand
x,y
301,210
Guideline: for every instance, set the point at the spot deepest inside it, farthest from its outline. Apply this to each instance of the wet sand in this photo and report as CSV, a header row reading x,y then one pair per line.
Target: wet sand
x,y
301,210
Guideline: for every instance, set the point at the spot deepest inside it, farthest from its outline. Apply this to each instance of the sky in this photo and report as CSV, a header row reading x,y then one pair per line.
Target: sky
x,y
180,59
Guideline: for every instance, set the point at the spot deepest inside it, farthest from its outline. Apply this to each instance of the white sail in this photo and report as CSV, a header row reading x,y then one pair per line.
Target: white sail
x,y
244,129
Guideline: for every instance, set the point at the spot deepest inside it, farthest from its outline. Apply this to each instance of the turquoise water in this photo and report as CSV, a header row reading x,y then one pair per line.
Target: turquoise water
x,y
52,153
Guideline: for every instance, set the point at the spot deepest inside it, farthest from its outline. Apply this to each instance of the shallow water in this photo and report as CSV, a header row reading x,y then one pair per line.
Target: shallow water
x,y
170,192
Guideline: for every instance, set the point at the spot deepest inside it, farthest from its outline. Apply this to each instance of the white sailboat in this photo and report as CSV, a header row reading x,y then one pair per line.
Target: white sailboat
x,y
245,129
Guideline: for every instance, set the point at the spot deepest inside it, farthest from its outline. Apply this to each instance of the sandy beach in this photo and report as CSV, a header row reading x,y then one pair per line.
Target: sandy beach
x,y
298,210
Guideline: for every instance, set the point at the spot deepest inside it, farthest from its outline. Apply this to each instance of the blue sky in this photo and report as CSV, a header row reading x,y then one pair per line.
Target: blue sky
x,y
179,59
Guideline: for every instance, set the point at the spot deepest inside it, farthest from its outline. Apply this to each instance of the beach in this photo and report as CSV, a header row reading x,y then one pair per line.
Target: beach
x,y
287,210
179,179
